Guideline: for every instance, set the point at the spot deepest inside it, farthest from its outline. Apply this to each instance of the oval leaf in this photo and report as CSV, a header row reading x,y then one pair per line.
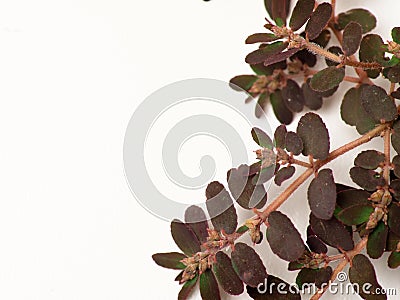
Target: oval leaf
x,y
394,260
278,10
261,138
367,179
187,288
315,136
378,104
313,276
327,79
354,208
314,243
369,159
220,208
283,238
394,218
312,99
372,50
226,275
284,174
293,96
396,34
261,38
248,265
280,57
301,13
332,233
282,113
280,136
377,241
396,136
294,143
260,55
242,82
170,260
196,219
359,15
322,195
318,20
352,36
209,286
184,238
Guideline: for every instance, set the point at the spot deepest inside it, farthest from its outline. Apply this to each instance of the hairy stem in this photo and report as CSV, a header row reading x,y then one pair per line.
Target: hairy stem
x,y
274,205
349,255
386,168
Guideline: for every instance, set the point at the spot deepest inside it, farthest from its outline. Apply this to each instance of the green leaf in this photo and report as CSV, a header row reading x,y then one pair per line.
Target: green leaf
x,y
362,272
261,38
359,15
396,34
283,238
274,289
301,13
369,159
371,50
378,104
282,113
184,238
284,174
319,20
248,265
260,55
293,96
261,138
242,82
354,208
280,136
352,36
278,10
187,288
170,260
220,208
322,195
312,99
394,260
209,286
394,218
315,136
332,232
246,194
226,275
377,241
353,113
367,179
327,79
196,219
315,276
294,143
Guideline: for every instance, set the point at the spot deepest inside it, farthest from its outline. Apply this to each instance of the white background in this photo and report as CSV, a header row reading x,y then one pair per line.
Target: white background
x,y
71,74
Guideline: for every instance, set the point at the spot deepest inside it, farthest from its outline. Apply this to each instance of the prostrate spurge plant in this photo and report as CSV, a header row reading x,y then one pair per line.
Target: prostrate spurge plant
x,y
339,213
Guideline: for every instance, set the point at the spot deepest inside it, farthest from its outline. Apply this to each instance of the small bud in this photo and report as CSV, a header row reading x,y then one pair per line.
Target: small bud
x,y
386,198
377,196
203,265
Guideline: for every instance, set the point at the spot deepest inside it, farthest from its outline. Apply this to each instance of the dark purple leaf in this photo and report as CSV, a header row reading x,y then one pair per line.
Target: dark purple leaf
x,y
261,104
262,54
261,138
315,136
261,38
367,179
278,10
246,194
352,36
170,260
226,275
274,289
322,195
377,241
362,272
305,57
335,50
395,188
353,113
313,276
327,79
260,69
314,243
242,82
369,159
282,113
284,174
371,50
301,13
396,94
294,143
187,288
378,104
248,265
196,219
280,136
332,233
312,99
293,96
394,218
393,74
396,136
319,20
184,238
208,286
396,163
220,208
359,15
283,238
323,39
279,57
